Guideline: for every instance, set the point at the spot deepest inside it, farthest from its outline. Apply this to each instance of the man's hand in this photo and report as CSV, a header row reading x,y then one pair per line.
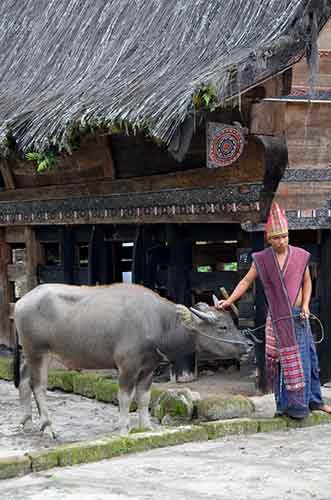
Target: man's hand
x,y
305,313
224,304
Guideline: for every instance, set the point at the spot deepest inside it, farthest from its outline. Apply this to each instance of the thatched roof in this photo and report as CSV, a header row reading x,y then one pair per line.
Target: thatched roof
x,y
75,62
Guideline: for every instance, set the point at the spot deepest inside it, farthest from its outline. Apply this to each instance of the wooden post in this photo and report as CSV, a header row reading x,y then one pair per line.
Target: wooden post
x,y
7,174
32,257
257,243
5,330
68,255
179,291
324,350
141,272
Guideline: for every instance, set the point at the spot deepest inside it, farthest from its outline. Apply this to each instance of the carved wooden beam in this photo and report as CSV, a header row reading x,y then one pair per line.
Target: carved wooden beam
x,y
249,169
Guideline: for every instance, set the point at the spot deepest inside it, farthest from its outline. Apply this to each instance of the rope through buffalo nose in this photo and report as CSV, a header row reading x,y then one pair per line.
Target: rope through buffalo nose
x,y
248,332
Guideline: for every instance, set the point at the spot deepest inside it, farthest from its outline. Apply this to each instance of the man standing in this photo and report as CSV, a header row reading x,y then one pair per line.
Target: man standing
x,y
291,359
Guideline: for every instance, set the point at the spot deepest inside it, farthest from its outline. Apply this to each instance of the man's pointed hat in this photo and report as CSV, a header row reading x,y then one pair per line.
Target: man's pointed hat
x,y
277,222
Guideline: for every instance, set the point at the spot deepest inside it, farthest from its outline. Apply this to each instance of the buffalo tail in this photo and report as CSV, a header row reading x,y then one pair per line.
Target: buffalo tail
x,y
17,362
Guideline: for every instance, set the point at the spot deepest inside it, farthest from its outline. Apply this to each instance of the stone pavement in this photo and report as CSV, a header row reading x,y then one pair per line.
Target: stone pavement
x,y
291,465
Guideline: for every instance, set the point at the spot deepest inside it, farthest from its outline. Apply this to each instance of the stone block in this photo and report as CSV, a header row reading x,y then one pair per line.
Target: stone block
x,y
44,459
14,466
210,409
271,424
175,407
229,427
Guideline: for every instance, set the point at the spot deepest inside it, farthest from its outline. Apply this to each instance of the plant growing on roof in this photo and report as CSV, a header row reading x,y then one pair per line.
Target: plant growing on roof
x,y
45,161
75,131
206,98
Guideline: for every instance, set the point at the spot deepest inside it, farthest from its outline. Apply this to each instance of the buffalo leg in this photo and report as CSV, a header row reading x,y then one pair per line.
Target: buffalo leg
x,y
126,385
25,397
39,375
143,396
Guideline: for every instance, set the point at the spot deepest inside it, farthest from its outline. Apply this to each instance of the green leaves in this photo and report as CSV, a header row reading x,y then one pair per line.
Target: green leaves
x,y
45,161
206,98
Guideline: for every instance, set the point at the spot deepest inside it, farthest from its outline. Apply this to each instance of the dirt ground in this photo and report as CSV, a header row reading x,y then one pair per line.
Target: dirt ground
x,y
217,383
74,418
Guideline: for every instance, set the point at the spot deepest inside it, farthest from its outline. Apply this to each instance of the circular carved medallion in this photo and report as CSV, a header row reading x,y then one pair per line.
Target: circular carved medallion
x,y
226,145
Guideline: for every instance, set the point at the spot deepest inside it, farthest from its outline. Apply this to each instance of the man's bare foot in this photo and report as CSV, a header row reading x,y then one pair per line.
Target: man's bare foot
x,y
325,408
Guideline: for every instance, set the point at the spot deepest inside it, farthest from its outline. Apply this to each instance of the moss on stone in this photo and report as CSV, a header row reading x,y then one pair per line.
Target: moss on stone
x,y
320,417
14,466
314,418
174,405
210,409
6,368
85,384
156,392
168,437
271,424
44,459
106,390
79,453
228,427
61,379
139,430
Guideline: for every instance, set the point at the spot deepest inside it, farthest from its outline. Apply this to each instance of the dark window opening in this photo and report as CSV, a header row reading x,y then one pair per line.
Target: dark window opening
x,y
82,255
52,254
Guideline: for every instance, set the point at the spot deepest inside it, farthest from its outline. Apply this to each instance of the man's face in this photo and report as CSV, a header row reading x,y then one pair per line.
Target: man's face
x,y
279,242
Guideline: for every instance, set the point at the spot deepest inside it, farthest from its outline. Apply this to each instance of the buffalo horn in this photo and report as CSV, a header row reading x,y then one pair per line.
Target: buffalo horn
x,y
202,315
215,300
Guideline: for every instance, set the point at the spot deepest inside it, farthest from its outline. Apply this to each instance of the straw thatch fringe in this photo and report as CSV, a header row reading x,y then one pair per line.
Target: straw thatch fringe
x,y
81,63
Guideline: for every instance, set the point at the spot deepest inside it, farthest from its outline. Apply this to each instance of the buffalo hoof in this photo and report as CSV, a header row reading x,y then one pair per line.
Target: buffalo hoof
x,y
26,424
47,430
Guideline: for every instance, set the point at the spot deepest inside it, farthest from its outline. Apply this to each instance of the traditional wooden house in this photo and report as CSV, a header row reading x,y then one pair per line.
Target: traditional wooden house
x,y
133,142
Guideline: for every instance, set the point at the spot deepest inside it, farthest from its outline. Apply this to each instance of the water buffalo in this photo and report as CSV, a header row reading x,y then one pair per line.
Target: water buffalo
x,y
121,326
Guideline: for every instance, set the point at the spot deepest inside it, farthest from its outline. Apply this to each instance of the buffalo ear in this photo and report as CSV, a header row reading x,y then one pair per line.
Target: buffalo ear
x,y
215,300
202,315
183,313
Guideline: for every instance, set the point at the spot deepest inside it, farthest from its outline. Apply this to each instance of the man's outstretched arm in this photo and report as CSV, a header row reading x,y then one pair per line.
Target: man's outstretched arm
x,y
240,289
